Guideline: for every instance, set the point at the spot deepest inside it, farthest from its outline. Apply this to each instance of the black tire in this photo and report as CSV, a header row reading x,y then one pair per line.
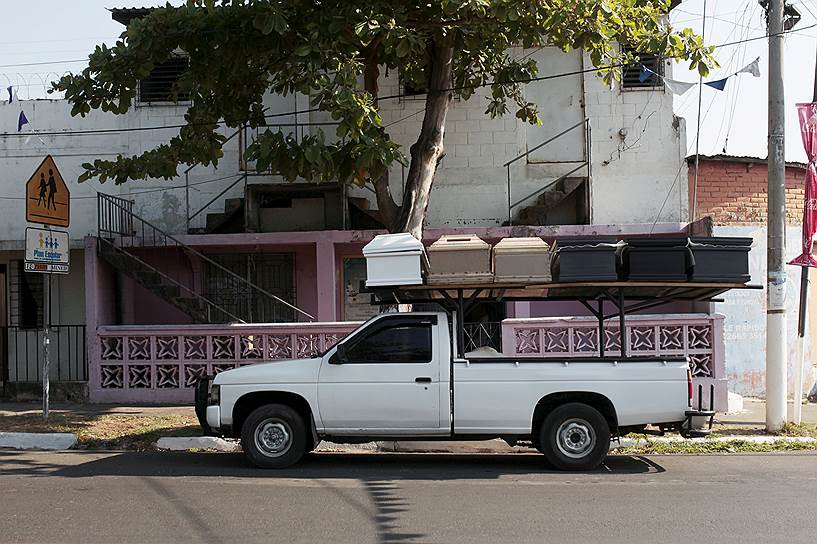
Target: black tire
x,y
274,436
584,435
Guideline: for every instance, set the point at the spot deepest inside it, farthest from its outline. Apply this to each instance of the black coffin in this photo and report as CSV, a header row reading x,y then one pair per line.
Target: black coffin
x,y
586,260
656,259
720,259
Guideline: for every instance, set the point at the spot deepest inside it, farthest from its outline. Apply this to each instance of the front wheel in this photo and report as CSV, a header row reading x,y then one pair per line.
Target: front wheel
x,y
574,436
274,436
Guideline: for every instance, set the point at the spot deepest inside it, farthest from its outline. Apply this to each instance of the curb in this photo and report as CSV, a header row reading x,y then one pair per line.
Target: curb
x,y
498,446
186,443
38,441
633,442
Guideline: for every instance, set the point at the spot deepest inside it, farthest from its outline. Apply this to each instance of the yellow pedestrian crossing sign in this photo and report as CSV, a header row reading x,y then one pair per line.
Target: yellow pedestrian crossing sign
x,y
48,200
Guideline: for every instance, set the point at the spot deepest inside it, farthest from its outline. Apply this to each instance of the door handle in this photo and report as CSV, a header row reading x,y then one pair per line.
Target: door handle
x,y
422,379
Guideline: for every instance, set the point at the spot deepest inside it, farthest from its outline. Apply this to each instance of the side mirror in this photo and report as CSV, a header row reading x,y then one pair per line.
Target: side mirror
x,y
340,355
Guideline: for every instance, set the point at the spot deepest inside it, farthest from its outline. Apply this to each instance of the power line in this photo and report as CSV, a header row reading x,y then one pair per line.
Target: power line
x,y
74,61
389,97
146,191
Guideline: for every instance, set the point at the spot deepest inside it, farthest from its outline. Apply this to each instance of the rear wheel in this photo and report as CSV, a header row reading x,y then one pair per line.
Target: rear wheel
x,y
574,436
274,436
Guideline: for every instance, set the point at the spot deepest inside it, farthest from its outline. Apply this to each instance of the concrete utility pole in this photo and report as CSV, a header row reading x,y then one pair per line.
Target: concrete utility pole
x,y
776,337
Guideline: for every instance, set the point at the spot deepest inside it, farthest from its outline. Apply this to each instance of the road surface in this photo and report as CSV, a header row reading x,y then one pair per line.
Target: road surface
x,y
92,497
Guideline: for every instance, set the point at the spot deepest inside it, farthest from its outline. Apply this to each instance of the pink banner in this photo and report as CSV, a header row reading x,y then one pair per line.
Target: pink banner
x,y
808,130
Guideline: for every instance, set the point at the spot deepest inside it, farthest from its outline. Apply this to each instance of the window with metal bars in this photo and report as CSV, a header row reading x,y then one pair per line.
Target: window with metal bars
x,y
631,78
160,86
272,272
25,297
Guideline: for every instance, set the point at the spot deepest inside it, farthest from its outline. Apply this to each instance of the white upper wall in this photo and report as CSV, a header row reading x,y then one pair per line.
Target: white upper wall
x,y
162,201
636,150
638,167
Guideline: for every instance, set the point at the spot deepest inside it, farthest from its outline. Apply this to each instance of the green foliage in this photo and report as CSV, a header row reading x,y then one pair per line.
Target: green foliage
x,y
241,49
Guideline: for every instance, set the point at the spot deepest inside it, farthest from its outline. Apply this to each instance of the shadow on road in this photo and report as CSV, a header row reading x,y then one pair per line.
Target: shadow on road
x,y
370,467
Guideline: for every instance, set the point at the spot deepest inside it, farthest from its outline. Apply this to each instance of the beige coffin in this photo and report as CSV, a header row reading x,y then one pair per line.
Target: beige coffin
x,y
522,260
459,259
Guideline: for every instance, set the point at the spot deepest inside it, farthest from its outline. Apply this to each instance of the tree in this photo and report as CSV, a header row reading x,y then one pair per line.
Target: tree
x,y
240,49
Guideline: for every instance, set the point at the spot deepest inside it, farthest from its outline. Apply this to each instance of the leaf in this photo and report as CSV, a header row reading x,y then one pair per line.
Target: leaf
x,y
403,48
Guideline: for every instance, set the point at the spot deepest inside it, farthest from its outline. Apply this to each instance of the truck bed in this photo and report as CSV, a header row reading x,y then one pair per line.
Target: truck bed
x,y
643,390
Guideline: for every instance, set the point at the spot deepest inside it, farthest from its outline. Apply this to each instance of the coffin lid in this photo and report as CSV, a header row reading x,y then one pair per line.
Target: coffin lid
x,y
389,244
521,245
459,242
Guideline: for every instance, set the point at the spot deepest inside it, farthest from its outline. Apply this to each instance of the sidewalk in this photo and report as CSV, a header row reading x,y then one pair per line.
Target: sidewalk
x,y
31,408
139,427
752,420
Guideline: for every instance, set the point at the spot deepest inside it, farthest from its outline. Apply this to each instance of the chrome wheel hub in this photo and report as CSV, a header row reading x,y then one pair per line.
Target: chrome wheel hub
x,y
575,438
273,437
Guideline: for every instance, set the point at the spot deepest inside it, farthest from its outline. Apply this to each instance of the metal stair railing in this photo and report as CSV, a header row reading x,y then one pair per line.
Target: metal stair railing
x,y
240,178
117,222
208,304
585,162
187,185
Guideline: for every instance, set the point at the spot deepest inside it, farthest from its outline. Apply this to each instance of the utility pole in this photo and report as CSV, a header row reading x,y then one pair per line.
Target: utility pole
x,y
776,337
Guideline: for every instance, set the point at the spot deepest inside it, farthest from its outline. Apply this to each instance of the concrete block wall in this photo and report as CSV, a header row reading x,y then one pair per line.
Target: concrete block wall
x,y
161,201
636,150
638,153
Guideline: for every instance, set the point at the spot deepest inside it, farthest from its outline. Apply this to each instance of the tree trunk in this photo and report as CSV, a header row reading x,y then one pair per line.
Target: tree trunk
x,y
371,73
427,152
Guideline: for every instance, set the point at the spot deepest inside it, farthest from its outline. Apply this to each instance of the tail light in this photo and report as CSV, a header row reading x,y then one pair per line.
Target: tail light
x,y
689,387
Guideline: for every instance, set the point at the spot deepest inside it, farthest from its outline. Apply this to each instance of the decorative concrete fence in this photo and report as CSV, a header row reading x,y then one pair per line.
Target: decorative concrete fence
x,y
157,364
699,337
161,364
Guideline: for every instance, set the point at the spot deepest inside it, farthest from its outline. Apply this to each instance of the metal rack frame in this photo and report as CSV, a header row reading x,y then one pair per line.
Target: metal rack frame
x,y
459,298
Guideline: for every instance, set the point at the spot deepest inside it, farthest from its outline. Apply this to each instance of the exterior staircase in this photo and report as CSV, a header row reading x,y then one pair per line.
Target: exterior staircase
x,y
158,283
545,210
231,220
561,201
126,240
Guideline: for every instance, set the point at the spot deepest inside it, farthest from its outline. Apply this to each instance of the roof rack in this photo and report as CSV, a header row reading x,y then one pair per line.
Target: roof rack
x,y
459,298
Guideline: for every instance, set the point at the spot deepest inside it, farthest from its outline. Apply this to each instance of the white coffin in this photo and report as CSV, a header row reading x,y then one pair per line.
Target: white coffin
x,y
393,259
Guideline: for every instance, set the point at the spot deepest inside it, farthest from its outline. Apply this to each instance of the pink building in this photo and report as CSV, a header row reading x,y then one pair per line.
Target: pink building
x,y
151,296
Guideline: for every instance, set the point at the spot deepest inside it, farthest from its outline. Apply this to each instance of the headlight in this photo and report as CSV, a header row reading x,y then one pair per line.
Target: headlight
x,y
215,395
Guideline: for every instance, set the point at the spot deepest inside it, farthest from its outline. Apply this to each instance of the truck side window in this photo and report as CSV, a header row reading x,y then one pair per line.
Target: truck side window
x,y
398,344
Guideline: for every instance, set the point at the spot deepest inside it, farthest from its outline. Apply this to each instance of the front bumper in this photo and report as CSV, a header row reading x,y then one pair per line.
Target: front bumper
x,y
213,417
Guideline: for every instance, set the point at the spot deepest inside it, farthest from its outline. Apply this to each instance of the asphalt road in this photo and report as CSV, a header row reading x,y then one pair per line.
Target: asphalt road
x,y
163,497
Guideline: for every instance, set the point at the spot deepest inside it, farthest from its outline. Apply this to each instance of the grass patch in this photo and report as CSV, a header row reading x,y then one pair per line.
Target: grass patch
x,y
106,431
803,429
711,446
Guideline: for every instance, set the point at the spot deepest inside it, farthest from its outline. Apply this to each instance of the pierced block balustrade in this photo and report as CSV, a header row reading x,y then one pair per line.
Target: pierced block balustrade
x,y
163,363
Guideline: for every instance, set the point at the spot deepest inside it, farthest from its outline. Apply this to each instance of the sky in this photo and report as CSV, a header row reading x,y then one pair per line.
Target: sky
x,y
55,31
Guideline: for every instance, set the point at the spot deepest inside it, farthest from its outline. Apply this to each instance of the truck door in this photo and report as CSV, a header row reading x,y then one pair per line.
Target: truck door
x,y
385,380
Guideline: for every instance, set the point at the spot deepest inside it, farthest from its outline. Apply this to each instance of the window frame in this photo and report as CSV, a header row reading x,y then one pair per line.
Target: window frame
x,y
646,86
383,324
182,100
23,284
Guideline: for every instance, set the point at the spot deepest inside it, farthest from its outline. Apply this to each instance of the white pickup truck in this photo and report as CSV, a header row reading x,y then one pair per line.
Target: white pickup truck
x,y
394,378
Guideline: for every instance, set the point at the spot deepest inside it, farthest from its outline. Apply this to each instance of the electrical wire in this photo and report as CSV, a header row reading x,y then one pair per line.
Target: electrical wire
x,y
698,124
145,191
389,97
736,92
680,168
